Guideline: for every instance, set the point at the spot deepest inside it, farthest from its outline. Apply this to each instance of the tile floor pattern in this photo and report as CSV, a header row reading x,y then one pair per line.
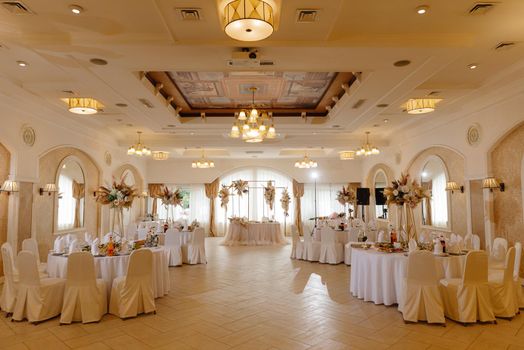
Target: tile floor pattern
x,y
257,298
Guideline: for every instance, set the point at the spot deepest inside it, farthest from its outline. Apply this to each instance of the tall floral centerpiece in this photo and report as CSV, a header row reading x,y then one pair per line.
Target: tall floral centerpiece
x,y
284,201
269,195
240,187
118,196
406,194
170,199
347,196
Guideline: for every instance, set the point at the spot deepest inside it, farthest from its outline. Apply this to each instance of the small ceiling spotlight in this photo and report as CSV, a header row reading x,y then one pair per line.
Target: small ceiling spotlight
x,y
473,66
22,63
76,10
422,10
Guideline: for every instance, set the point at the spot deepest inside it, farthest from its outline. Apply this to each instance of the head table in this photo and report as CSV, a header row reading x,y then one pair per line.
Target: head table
x,y
110,267
253,233
379,277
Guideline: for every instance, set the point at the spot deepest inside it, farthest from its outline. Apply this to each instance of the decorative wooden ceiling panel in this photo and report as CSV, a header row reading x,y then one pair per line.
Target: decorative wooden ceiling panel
x,y
223,93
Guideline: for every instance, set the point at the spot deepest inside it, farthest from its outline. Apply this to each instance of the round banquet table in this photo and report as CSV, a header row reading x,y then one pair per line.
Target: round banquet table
x,y
110,267
346,236
185,237
378,277
254,234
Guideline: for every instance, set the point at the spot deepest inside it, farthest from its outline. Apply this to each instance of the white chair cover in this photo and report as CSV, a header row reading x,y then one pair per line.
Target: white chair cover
x,y
476,242
131,231
468,299
412,245
468,241
311,250
36,299
331,252
172,242
142,233
297,246
421,299
8,296
133,294
195,251
74,246
516,275
30,244
85,297
500,247
502,289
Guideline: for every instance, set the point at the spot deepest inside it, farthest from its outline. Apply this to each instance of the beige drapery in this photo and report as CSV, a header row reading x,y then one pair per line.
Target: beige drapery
x,y
78,194
155,192
298,192
212,194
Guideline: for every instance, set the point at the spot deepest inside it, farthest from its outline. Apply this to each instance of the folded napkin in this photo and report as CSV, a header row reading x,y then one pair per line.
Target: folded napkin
x,y
74,246
124,247
88,238
437,248
381,237
94,246
424,237
58,246
412,245
455,244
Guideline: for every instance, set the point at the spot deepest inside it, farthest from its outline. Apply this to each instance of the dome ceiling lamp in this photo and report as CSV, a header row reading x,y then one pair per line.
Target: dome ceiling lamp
x,y
203,163
248,20
421,105
138,149
306,163
253,126
367,149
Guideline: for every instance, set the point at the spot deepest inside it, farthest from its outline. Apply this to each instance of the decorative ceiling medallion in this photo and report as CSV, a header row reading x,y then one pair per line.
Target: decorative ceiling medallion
x,y
108,159
28,135
473,135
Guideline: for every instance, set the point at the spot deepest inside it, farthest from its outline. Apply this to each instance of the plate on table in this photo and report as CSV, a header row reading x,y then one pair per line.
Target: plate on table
x,y
57,254
99,255
441,254
458,254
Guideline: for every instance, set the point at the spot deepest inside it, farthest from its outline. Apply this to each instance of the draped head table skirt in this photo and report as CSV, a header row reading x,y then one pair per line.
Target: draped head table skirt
x,y
254,234
110,267
379,277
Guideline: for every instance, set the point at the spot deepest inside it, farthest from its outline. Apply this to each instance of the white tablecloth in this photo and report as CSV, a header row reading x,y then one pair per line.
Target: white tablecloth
x,y
110,267
378,277
254,234
185,237
349,235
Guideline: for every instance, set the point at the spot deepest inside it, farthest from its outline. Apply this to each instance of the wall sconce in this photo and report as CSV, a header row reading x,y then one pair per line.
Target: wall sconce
x,y
49,189
9,187
493,184
453,186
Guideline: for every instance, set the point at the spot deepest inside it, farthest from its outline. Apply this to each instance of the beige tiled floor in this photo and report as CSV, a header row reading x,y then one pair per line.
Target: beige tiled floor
x,y
257,298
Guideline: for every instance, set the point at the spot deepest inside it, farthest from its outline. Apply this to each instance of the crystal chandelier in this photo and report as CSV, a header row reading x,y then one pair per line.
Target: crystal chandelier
x,y
203,163
139,149
248,20
252,125
306,163
367,149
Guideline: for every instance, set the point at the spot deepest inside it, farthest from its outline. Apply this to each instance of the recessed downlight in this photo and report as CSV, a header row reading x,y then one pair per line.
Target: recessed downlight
x,y
422,10
386,121
402,63
76,10
98,61
22,63
121,104
473,66
382,105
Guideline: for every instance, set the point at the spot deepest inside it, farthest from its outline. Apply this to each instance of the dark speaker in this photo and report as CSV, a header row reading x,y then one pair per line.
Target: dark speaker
x,y
379,196
362,196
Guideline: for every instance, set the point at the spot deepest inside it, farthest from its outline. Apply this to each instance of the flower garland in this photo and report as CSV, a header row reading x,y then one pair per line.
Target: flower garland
x,y
224,194
269,194
285,201
346,196
240,187
404,191
118,195
171,197
241,221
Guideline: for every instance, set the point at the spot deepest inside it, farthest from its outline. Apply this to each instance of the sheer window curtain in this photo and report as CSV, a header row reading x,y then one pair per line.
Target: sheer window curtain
x,y
439,201
254,205
67,206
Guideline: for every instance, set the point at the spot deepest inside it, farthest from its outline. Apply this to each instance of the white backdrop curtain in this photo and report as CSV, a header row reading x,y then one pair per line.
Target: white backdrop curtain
x,y
326,202
254,205
67,206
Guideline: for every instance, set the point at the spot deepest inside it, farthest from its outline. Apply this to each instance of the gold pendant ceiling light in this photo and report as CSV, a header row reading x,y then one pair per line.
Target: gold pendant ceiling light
x,y
248,20
421,105
139,149
367,149
83,105
253,126
306,163
203,163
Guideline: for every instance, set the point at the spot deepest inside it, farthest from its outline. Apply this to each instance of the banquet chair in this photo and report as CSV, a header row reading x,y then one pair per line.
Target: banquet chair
x,y
467,299
85,296
31,245
195,251
133,294
142,233
297,246
36,299
8,296
331,252
172,242
468,241
519,282
421,299
476,242
311,250
498,253
502,289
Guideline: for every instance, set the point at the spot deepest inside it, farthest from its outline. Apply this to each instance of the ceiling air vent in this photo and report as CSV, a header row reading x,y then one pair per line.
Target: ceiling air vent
x,y
254,152
434,93
267,63
16,7
358,103
146,102
189,14
505,45
307,15
481,8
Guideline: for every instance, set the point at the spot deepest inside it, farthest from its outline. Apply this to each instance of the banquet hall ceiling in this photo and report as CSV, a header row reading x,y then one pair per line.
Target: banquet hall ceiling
x,y
363,37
